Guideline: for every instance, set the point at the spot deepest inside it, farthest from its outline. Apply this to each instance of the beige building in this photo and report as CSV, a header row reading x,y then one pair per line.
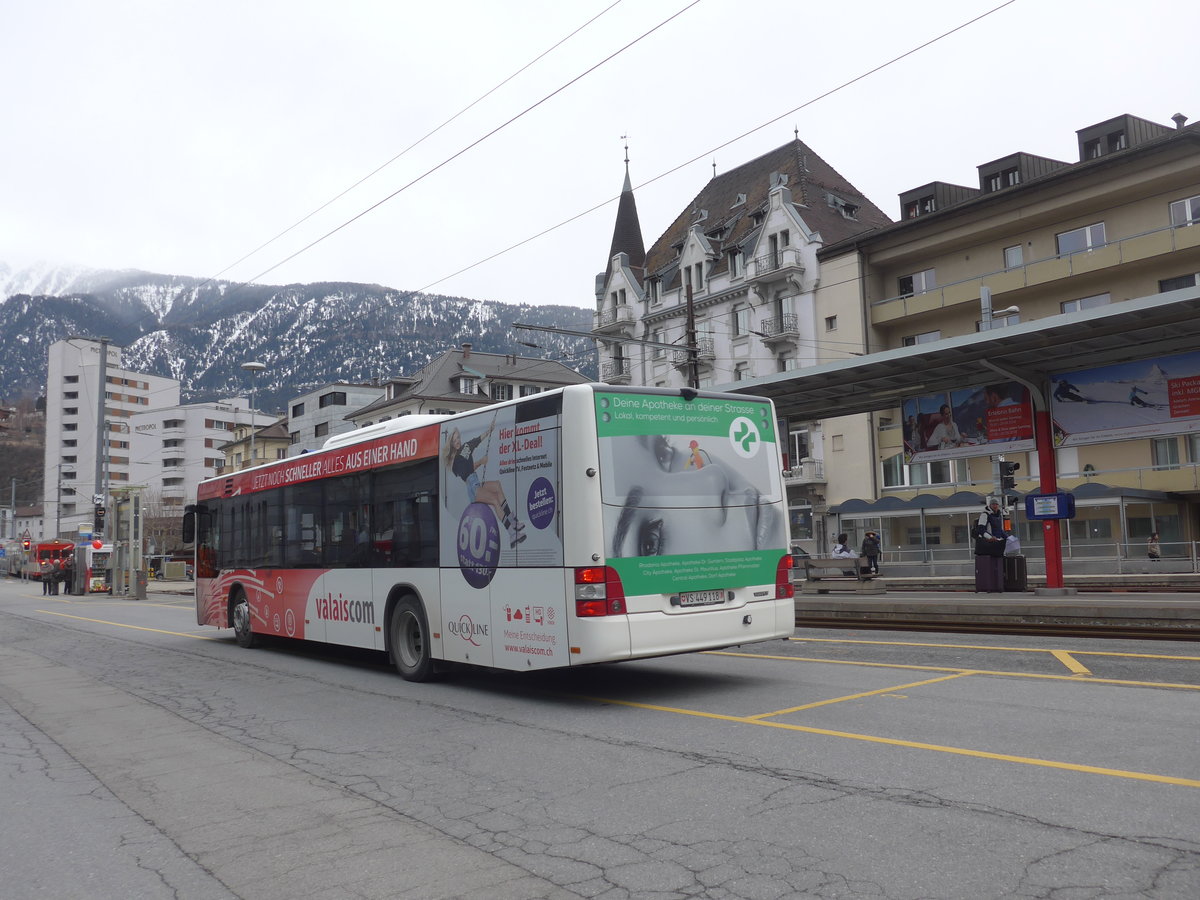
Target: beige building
x,y
1043,238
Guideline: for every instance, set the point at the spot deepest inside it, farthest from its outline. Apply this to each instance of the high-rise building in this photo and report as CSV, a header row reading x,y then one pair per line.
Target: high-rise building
x,y
76,427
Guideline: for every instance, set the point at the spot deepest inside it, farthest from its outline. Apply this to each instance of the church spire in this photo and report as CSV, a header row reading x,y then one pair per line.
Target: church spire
x,y
627,232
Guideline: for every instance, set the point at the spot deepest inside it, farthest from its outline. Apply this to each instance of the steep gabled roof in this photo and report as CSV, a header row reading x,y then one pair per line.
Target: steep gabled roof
x,y
627,232
819,193
436,380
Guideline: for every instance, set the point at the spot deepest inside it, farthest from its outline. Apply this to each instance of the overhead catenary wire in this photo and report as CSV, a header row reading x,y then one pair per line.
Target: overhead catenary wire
x,y
721,146
558,90
414,144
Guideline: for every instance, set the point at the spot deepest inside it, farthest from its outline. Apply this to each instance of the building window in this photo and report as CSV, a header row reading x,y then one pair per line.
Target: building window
x,y
297,410
1178,283
1083,303
502,391
741,321
917,283
333,398
831,323
699,281
70,410
1091,149
1014,256
1186,212
71,379
294,437
70,395
657,352
925,337
1116,141
467,385
70,426
654,289
741,371
172,442
1076,241
735,263
527,390
173,423
172,463
70,443
1164,453
922,206
785,362
321,430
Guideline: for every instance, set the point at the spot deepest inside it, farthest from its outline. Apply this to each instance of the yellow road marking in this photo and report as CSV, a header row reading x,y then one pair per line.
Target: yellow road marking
x,y
988,647
1070,662
199,637
886,690
912,745
997,672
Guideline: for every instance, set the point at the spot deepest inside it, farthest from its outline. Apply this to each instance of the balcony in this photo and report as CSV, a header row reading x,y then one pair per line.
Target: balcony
x,y
617,371
784,265
784,329
1150,244
614,320
807,471
705,354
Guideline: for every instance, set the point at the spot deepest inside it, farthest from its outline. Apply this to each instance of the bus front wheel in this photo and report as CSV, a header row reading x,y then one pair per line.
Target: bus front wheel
x,y
408,632
242,630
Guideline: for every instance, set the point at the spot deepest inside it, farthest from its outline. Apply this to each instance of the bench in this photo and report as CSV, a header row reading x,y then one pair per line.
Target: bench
x,y
825,574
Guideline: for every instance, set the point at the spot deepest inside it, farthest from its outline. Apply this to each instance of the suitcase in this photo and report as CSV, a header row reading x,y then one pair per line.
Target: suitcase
x,y
1016,574
989,574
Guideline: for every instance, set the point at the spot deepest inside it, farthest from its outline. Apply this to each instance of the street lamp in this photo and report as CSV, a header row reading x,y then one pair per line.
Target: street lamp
x,y
985,309
253,367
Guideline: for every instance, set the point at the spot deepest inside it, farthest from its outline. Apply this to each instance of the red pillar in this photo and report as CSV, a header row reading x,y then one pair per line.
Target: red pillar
x,y
1043,438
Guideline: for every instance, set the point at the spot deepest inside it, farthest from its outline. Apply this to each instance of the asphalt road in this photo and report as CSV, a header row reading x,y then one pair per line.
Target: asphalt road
x,y
144,756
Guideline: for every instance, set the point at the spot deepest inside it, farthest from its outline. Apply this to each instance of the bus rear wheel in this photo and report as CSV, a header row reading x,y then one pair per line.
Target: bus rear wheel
x,y
408,635
242,630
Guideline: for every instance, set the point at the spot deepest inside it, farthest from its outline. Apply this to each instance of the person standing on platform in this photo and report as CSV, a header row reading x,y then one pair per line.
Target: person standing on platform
x,y
1154,548
870,549
989,550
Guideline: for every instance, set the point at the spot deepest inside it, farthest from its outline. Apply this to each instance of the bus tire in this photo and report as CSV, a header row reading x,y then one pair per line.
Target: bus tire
x,y
408,639
239,612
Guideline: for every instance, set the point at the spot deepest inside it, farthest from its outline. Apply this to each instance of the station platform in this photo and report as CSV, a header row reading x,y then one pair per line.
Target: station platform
x,y
1111,608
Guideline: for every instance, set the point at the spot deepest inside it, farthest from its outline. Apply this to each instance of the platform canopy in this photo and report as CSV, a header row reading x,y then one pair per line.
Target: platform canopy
x,y
1143,328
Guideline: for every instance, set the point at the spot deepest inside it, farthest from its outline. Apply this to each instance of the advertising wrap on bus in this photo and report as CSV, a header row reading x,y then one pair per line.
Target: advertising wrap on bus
x,y
501,490
691,492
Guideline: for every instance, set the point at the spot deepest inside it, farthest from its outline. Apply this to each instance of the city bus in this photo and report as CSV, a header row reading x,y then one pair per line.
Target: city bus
x,y
581,525
46,551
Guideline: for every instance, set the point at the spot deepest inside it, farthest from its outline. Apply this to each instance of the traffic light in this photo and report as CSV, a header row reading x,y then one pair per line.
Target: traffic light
x,y
98,520
1008,480
25,542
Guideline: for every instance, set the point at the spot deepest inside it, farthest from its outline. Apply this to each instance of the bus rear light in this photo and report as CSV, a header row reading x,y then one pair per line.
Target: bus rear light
x,y
783,579
598,592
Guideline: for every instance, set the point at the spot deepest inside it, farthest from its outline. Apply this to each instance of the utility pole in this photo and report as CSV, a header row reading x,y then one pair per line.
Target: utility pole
x,y
98,498
692,350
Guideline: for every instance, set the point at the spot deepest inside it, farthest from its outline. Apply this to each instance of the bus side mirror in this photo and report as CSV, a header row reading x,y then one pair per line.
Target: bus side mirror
x,y
189,527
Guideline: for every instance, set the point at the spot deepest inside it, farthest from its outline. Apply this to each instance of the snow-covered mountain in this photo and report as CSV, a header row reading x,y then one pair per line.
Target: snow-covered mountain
x,y
200,331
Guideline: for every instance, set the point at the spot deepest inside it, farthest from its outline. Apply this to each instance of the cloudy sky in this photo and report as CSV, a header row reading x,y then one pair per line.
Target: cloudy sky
x,y
180,137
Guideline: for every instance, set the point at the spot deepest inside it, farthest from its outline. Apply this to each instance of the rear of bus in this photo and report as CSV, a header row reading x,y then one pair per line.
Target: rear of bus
x,y
692,520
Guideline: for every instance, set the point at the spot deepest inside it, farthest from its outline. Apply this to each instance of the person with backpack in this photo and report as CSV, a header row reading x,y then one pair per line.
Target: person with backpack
x,y
841,550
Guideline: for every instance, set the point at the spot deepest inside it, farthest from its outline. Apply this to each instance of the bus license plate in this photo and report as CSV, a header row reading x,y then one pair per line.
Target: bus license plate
x,y
701,598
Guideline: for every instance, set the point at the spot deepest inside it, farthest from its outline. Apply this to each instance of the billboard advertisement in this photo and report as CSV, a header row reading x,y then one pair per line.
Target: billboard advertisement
x,y
1147,398
692,492
974,421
